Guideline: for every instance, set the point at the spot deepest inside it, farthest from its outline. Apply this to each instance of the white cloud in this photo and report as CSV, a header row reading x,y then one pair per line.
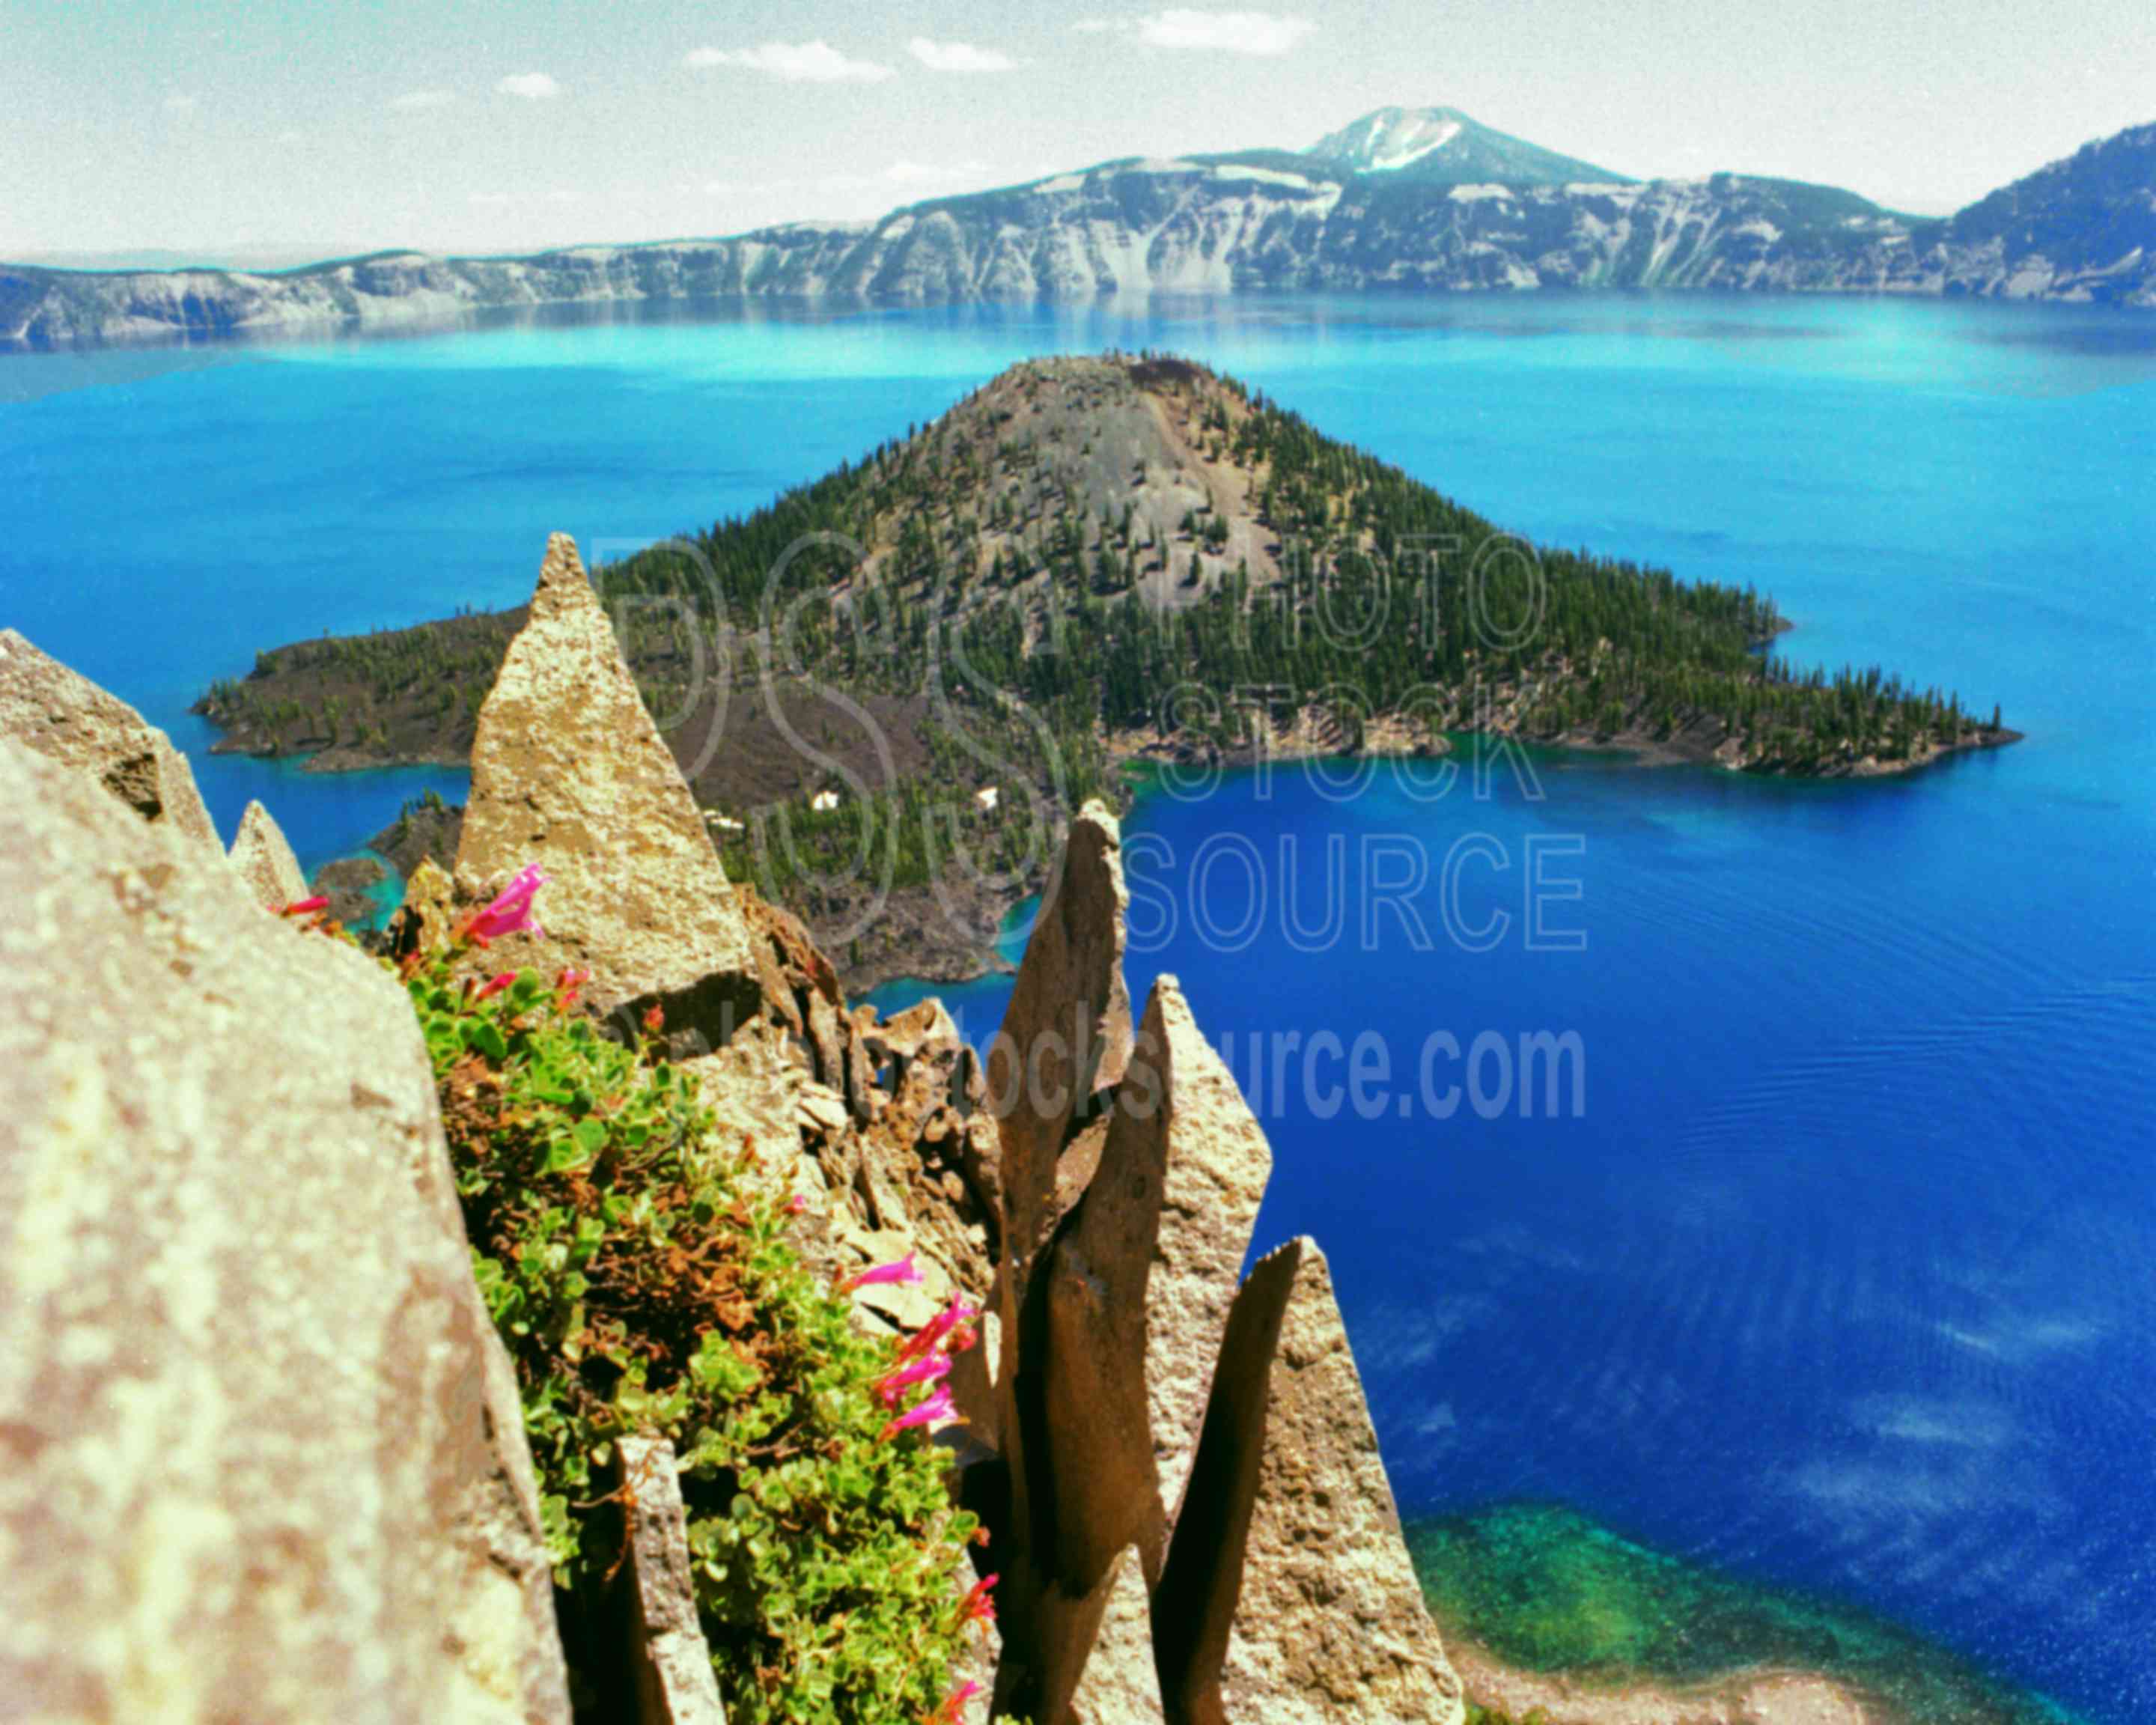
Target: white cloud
x,y
177,103
413,99
532,86
1260,33
793,62
959,57
926,173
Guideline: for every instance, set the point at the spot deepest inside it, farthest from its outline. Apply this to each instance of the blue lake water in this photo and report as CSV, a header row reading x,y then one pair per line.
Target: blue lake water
x,y
1843,1280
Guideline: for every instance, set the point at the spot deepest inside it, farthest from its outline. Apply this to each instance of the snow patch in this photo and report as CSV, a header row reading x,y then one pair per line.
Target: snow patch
x,y
1476,194
1265,175
1397,146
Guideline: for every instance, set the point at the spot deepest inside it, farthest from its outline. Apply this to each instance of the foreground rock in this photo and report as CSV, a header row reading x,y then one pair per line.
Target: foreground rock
x,y
569,772
67,718
1139,1292
264,860
1291,1595
675,1682
263,1457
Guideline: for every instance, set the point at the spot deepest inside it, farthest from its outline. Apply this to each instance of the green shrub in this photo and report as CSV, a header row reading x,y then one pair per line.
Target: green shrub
x,y
637,1268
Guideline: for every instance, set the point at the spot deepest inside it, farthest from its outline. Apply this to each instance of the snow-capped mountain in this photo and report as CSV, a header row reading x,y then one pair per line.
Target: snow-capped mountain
x,y
1444,145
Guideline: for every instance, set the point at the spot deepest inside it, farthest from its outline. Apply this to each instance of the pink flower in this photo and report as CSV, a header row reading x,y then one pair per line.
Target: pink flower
x,y
951,1710
941,1331
796,1204
934,1413
566,986
904,1272
304,906
510,912
494,985
926,1369
977,1607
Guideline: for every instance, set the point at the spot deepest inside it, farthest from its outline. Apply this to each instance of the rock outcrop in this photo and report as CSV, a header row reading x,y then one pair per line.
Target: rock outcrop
x,y
570,773
1119,1684
263,1453
264,858
675,1682
67,718
1139,1291
1191,1516
1290,1599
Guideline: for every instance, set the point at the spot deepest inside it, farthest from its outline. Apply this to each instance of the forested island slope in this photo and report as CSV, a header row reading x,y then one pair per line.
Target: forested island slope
x,y
1091,559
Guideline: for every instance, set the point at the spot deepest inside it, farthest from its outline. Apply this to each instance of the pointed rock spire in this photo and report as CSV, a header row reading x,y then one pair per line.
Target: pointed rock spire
x,y
569,772
1288,1592
1139,1290
65,717
265,861
1067,1030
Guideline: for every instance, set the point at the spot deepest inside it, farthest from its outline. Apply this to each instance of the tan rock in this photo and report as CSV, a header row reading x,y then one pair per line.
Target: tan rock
x,y
1139,1291
66,717
264,1454
569,772
426,920
1288,1597
265,862
1119,1684
675,1682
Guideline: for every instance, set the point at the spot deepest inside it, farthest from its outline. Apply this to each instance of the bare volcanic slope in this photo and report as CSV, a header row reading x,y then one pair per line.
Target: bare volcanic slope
x,y
1089,559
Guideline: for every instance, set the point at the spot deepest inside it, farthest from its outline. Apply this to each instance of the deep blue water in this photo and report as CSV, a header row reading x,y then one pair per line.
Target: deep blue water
x,y
1844,1279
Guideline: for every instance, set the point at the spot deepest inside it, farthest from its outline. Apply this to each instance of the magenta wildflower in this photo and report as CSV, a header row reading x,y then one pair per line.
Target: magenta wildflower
x,y
952,1711
304,906
905,1272
796,1204
977,1607
511,910
494,985
566,986
926,1369
934,1413
941,1331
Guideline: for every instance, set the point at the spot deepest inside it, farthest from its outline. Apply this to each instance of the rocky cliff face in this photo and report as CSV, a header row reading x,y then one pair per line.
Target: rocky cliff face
x,y
262,1454
1422,198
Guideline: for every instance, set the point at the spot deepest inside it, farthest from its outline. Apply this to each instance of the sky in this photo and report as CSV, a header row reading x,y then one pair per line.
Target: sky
x,y
248,131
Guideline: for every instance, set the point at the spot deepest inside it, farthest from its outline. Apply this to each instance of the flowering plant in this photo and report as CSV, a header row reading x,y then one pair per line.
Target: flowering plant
x,y
639,1269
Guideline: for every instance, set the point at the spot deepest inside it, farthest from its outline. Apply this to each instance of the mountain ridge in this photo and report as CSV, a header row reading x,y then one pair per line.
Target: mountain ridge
x,y
1328,219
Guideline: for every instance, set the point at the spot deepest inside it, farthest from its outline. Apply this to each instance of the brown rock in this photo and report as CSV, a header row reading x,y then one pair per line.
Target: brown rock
x,y
674,1683
1288,1596
1139,1290
67,718
569,772
1119,1684
265,861
1067,1030
264,1454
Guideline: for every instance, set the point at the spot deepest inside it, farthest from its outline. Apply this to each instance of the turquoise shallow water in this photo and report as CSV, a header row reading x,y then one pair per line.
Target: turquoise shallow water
x,y
1842,1280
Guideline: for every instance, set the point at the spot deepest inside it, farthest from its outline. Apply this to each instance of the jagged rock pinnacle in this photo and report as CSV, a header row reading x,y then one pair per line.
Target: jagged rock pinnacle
x,y
569,772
